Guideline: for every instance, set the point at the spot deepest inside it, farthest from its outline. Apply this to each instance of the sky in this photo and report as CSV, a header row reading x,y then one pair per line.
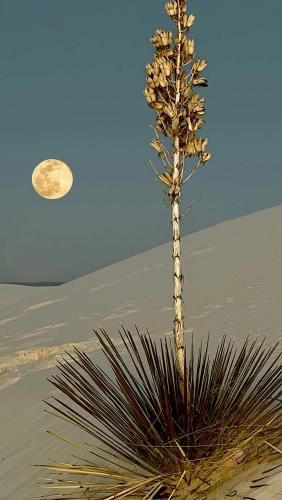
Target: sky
x,y
72,76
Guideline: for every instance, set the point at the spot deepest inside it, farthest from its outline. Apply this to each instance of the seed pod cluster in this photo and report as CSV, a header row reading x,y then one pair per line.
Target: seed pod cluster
x,y
161,38
196,104
187,49
185,117
186,21
171,9
195,146
199,65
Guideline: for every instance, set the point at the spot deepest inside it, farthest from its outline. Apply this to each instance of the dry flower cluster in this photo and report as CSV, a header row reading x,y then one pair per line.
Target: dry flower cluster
x,y
169,92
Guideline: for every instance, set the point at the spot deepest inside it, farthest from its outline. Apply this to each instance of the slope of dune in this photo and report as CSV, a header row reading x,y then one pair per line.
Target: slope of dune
x,y
233,285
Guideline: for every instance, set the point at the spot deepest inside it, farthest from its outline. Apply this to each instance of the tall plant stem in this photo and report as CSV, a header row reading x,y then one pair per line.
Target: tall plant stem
x,y
177,178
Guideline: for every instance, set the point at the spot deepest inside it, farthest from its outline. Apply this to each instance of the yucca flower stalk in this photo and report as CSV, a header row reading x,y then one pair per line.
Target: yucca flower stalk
x,y
170,448
180,113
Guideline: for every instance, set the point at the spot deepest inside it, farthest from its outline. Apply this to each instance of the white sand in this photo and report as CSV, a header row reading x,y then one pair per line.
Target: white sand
x,y
233,284
261,482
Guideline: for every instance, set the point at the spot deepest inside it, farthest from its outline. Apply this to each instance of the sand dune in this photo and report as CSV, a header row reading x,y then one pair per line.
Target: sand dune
x,y
233,285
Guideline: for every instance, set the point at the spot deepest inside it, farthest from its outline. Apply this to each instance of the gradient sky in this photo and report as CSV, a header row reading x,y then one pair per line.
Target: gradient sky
x,y
72,75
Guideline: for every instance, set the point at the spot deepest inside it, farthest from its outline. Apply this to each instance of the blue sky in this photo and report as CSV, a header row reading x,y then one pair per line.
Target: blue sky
x,y
72,77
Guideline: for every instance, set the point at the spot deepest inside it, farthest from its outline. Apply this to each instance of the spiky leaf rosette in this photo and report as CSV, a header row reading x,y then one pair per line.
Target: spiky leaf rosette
x,y
231,414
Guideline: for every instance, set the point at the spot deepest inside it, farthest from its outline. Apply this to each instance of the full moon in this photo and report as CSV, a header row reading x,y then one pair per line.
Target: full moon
x,y
52,179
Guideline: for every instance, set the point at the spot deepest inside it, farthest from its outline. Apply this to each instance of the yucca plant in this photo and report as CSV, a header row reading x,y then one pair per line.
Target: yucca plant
x,y
177,428
160,445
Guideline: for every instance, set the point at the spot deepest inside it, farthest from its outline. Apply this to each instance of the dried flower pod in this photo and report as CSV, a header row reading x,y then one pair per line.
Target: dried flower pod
x,y
158,105
146,93
171,8
199,123
166,38
187,90
170,110
156,81
196,104
199,107
167,68
193,125
199,65
200,82
198,144
202,65
191,47
190,148
156,67
166,51
183,5
198,112
195,146
206,157
164,64
161,38
160,125
190,21
187,49
149,95
149,70
150,82
175,123
190,126
187,21
156,145
182,82
194,99
184,20
163,81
